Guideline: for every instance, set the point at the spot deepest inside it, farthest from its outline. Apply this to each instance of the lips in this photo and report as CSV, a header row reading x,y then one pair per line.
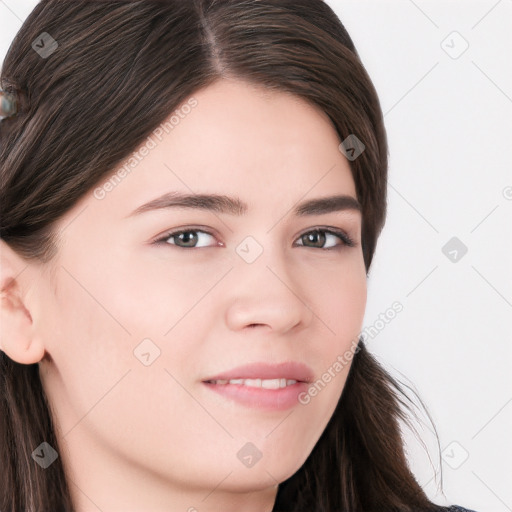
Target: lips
x,y
263,386
289,371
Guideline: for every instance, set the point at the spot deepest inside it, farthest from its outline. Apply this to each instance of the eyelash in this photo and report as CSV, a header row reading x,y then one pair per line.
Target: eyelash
x,y
345,239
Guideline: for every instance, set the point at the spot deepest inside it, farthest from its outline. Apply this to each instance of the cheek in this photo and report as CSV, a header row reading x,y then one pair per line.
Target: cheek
x,y
339,308
162,291
86,338
338,298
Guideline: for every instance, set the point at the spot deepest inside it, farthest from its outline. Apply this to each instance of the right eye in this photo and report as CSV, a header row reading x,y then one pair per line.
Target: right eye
x,y
186,238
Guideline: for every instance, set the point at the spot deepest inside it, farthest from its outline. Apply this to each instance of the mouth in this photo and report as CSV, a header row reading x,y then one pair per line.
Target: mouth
x,y
256,383
269,376
262,385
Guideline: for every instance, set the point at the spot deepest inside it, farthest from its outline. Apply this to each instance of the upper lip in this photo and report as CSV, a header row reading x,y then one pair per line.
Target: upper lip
x,y
288,370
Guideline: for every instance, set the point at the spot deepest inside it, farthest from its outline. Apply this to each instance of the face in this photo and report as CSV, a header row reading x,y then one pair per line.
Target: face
x,y
136,319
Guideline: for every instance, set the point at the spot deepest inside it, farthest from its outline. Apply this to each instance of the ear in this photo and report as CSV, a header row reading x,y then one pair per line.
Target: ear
x,y
17,335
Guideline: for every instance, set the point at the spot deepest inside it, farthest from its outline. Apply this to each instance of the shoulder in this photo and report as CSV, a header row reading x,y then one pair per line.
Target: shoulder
x,y
457,508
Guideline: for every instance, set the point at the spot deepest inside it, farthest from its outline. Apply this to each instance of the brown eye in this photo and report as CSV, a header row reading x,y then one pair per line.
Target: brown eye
x,y
314,239
185,238
318,237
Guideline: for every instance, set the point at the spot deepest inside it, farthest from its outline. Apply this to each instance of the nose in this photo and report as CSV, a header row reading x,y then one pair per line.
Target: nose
x,y
267,295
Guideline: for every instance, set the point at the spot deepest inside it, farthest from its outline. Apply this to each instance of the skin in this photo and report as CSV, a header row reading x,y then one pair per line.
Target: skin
x,y
153,438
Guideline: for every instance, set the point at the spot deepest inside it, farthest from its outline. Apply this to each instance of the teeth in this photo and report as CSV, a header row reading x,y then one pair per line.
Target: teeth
x,y
259,383
273,383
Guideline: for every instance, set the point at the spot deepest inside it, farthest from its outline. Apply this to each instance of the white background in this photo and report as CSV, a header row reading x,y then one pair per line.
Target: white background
x,y
449,121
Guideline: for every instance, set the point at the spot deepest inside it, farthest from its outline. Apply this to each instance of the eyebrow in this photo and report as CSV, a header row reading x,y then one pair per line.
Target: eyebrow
x,y
234,206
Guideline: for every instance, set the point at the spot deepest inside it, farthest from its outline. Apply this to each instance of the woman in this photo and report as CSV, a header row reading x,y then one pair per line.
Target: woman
x,y
143,368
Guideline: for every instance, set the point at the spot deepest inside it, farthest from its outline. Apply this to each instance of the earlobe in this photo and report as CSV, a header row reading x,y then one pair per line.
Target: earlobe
x,y
17,337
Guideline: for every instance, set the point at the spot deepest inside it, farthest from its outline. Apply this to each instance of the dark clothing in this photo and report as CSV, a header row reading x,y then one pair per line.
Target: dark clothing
x,y
458,508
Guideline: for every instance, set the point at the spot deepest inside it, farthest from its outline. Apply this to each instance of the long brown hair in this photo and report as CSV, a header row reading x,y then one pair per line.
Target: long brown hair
x,y
119,70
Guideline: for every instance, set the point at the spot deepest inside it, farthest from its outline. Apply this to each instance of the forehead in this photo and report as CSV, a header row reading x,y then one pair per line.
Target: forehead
x,y
240,135
271,149
251,115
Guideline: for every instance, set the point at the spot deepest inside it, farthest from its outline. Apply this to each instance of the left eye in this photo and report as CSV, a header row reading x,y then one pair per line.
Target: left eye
x,y
188,238
319,236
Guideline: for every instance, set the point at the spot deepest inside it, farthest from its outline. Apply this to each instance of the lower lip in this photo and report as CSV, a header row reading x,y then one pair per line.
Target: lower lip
x,y
261,398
